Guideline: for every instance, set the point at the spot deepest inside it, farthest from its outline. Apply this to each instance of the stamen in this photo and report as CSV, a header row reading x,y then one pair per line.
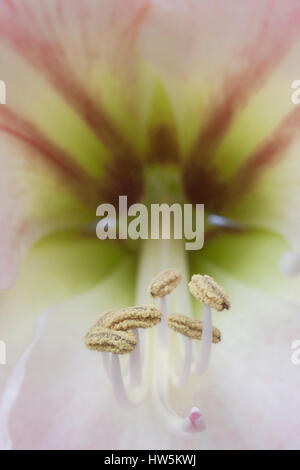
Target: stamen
x,y
191,329
205,289
162,286
108,335
290,264
112,334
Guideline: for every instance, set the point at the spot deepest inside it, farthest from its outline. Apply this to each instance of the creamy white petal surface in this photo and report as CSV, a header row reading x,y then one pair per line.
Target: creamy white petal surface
x,y
159,100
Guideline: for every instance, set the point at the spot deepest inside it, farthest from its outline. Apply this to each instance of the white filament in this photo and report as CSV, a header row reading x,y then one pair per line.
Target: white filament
x,y
163,326
14,385
106,362
118,384
134,393
135,363
206,342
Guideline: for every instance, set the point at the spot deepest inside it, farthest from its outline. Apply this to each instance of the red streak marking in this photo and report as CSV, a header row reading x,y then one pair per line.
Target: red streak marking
x,y
261,57
270,153
84,185
50,58
27,132
133,27
239,87
39,147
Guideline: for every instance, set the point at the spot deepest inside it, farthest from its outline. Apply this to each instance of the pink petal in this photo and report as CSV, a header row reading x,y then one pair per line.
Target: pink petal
x,y
49,36
72,410
250,393
56,269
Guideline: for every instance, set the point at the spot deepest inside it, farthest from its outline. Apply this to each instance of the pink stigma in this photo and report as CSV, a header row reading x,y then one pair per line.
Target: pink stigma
x,y
194,415
195,422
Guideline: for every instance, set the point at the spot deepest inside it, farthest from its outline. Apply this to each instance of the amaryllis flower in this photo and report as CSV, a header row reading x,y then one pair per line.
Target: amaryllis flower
x,y
162,101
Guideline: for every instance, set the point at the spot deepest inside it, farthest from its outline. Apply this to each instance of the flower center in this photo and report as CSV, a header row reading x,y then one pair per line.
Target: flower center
x,y
163,361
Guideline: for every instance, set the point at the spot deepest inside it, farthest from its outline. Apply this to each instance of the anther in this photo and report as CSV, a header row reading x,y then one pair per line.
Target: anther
x,y
165,282
191,328
205,289
144,316
106,340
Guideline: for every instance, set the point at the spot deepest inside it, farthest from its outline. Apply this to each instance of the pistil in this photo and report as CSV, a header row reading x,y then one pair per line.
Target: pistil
x,y
163,358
